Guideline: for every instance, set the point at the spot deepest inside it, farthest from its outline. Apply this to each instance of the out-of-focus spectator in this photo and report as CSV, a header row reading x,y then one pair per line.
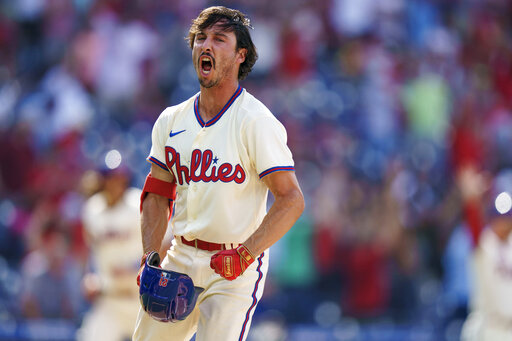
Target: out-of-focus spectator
x,y
50,278
17,159
294,272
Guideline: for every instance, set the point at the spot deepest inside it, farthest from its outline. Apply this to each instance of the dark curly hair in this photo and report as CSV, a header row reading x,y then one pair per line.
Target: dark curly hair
x,y
231,20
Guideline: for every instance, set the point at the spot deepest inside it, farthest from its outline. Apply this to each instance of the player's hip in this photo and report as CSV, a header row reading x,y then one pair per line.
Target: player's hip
x,y
195,262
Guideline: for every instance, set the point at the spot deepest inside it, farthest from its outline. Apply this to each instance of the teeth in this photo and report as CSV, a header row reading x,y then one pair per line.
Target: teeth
x,y
205,59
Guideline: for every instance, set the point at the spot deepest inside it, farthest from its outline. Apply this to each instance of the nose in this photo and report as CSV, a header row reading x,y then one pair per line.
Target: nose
x,y
207,44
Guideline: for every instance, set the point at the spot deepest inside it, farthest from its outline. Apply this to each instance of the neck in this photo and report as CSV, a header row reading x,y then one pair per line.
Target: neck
x,y
211,100
112,198
502,227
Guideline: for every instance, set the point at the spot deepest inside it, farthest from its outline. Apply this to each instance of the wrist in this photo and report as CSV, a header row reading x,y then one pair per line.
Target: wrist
x,y
144,257
245,254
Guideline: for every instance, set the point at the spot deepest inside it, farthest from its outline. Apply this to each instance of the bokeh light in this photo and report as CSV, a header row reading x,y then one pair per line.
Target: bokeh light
x,y
503,203
113,159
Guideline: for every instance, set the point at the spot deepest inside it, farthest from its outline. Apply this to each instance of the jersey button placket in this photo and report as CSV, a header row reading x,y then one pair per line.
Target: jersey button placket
x,y
192,193
191,203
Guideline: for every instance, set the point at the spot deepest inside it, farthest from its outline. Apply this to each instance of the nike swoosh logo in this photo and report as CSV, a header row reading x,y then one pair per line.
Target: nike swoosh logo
x,y
171,134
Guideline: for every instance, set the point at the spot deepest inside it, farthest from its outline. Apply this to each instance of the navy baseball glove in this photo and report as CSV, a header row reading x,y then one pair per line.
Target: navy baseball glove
x,y
166,296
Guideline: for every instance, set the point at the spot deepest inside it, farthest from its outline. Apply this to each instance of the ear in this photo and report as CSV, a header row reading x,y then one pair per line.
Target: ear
x,y
241,54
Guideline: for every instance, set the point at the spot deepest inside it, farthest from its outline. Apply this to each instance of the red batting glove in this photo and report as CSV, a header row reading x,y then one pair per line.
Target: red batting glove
x,y
232,263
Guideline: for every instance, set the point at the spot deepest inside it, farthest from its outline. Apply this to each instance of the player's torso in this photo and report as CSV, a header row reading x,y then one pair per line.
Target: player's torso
x,y
495,266
206,154
116,237
215,177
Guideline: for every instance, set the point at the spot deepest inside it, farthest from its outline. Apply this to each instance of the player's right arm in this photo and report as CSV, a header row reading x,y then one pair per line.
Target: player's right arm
x,y
155,214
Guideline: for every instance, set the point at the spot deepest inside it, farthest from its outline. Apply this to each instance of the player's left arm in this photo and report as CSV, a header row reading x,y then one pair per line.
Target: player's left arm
x,y
284,212
288,198
287,207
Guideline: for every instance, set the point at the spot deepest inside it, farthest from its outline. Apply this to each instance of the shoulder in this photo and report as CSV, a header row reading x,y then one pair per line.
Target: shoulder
x,y
94,205
95,200
132,197
253,108
254,111
489,241
170,113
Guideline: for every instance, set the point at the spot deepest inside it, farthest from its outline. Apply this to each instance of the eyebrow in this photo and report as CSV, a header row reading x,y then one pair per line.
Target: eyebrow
x,y
217,33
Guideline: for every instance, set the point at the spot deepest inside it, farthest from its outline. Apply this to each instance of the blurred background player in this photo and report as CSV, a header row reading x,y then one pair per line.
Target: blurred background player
x,y
111,222
490,317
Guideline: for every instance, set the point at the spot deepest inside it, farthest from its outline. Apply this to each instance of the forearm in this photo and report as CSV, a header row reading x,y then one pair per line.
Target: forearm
x,y
283,213
155,213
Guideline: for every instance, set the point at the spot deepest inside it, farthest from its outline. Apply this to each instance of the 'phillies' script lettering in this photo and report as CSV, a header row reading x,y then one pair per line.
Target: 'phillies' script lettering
x,y
201,162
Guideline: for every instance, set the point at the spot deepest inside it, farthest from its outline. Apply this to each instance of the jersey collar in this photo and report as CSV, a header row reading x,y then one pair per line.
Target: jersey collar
x,y
220,113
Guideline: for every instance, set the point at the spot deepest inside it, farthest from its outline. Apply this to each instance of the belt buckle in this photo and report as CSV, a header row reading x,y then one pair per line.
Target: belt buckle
x,y
195,243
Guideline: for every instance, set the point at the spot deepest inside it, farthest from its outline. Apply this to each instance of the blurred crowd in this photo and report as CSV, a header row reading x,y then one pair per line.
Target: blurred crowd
x,y
384,101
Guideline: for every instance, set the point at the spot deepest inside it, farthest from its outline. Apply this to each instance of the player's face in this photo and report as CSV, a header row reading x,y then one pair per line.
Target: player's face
x,y
215,56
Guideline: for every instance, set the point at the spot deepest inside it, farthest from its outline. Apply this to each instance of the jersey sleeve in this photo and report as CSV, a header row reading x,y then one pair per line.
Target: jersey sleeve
x,y
267,148
158,139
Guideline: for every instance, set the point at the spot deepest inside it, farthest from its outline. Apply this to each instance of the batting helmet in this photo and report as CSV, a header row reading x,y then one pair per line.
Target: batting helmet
x,y
166,296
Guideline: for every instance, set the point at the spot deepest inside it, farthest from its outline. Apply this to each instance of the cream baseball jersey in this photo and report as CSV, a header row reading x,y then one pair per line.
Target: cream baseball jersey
x,y
491,300
493,287
218,165
116,239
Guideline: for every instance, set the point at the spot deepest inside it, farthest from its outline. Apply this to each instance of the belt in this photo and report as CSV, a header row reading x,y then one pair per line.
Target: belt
x,y
206,246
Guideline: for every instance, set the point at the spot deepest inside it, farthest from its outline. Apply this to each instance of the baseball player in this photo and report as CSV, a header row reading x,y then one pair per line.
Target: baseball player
x,y
223,150
490,317
111,221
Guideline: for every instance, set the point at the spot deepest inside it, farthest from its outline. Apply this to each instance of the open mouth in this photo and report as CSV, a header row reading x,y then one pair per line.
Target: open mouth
x,y
206,64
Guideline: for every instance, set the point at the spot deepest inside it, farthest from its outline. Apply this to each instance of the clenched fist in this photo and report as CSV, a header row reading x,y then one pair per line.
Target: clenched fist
x,y
232,263
154,259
